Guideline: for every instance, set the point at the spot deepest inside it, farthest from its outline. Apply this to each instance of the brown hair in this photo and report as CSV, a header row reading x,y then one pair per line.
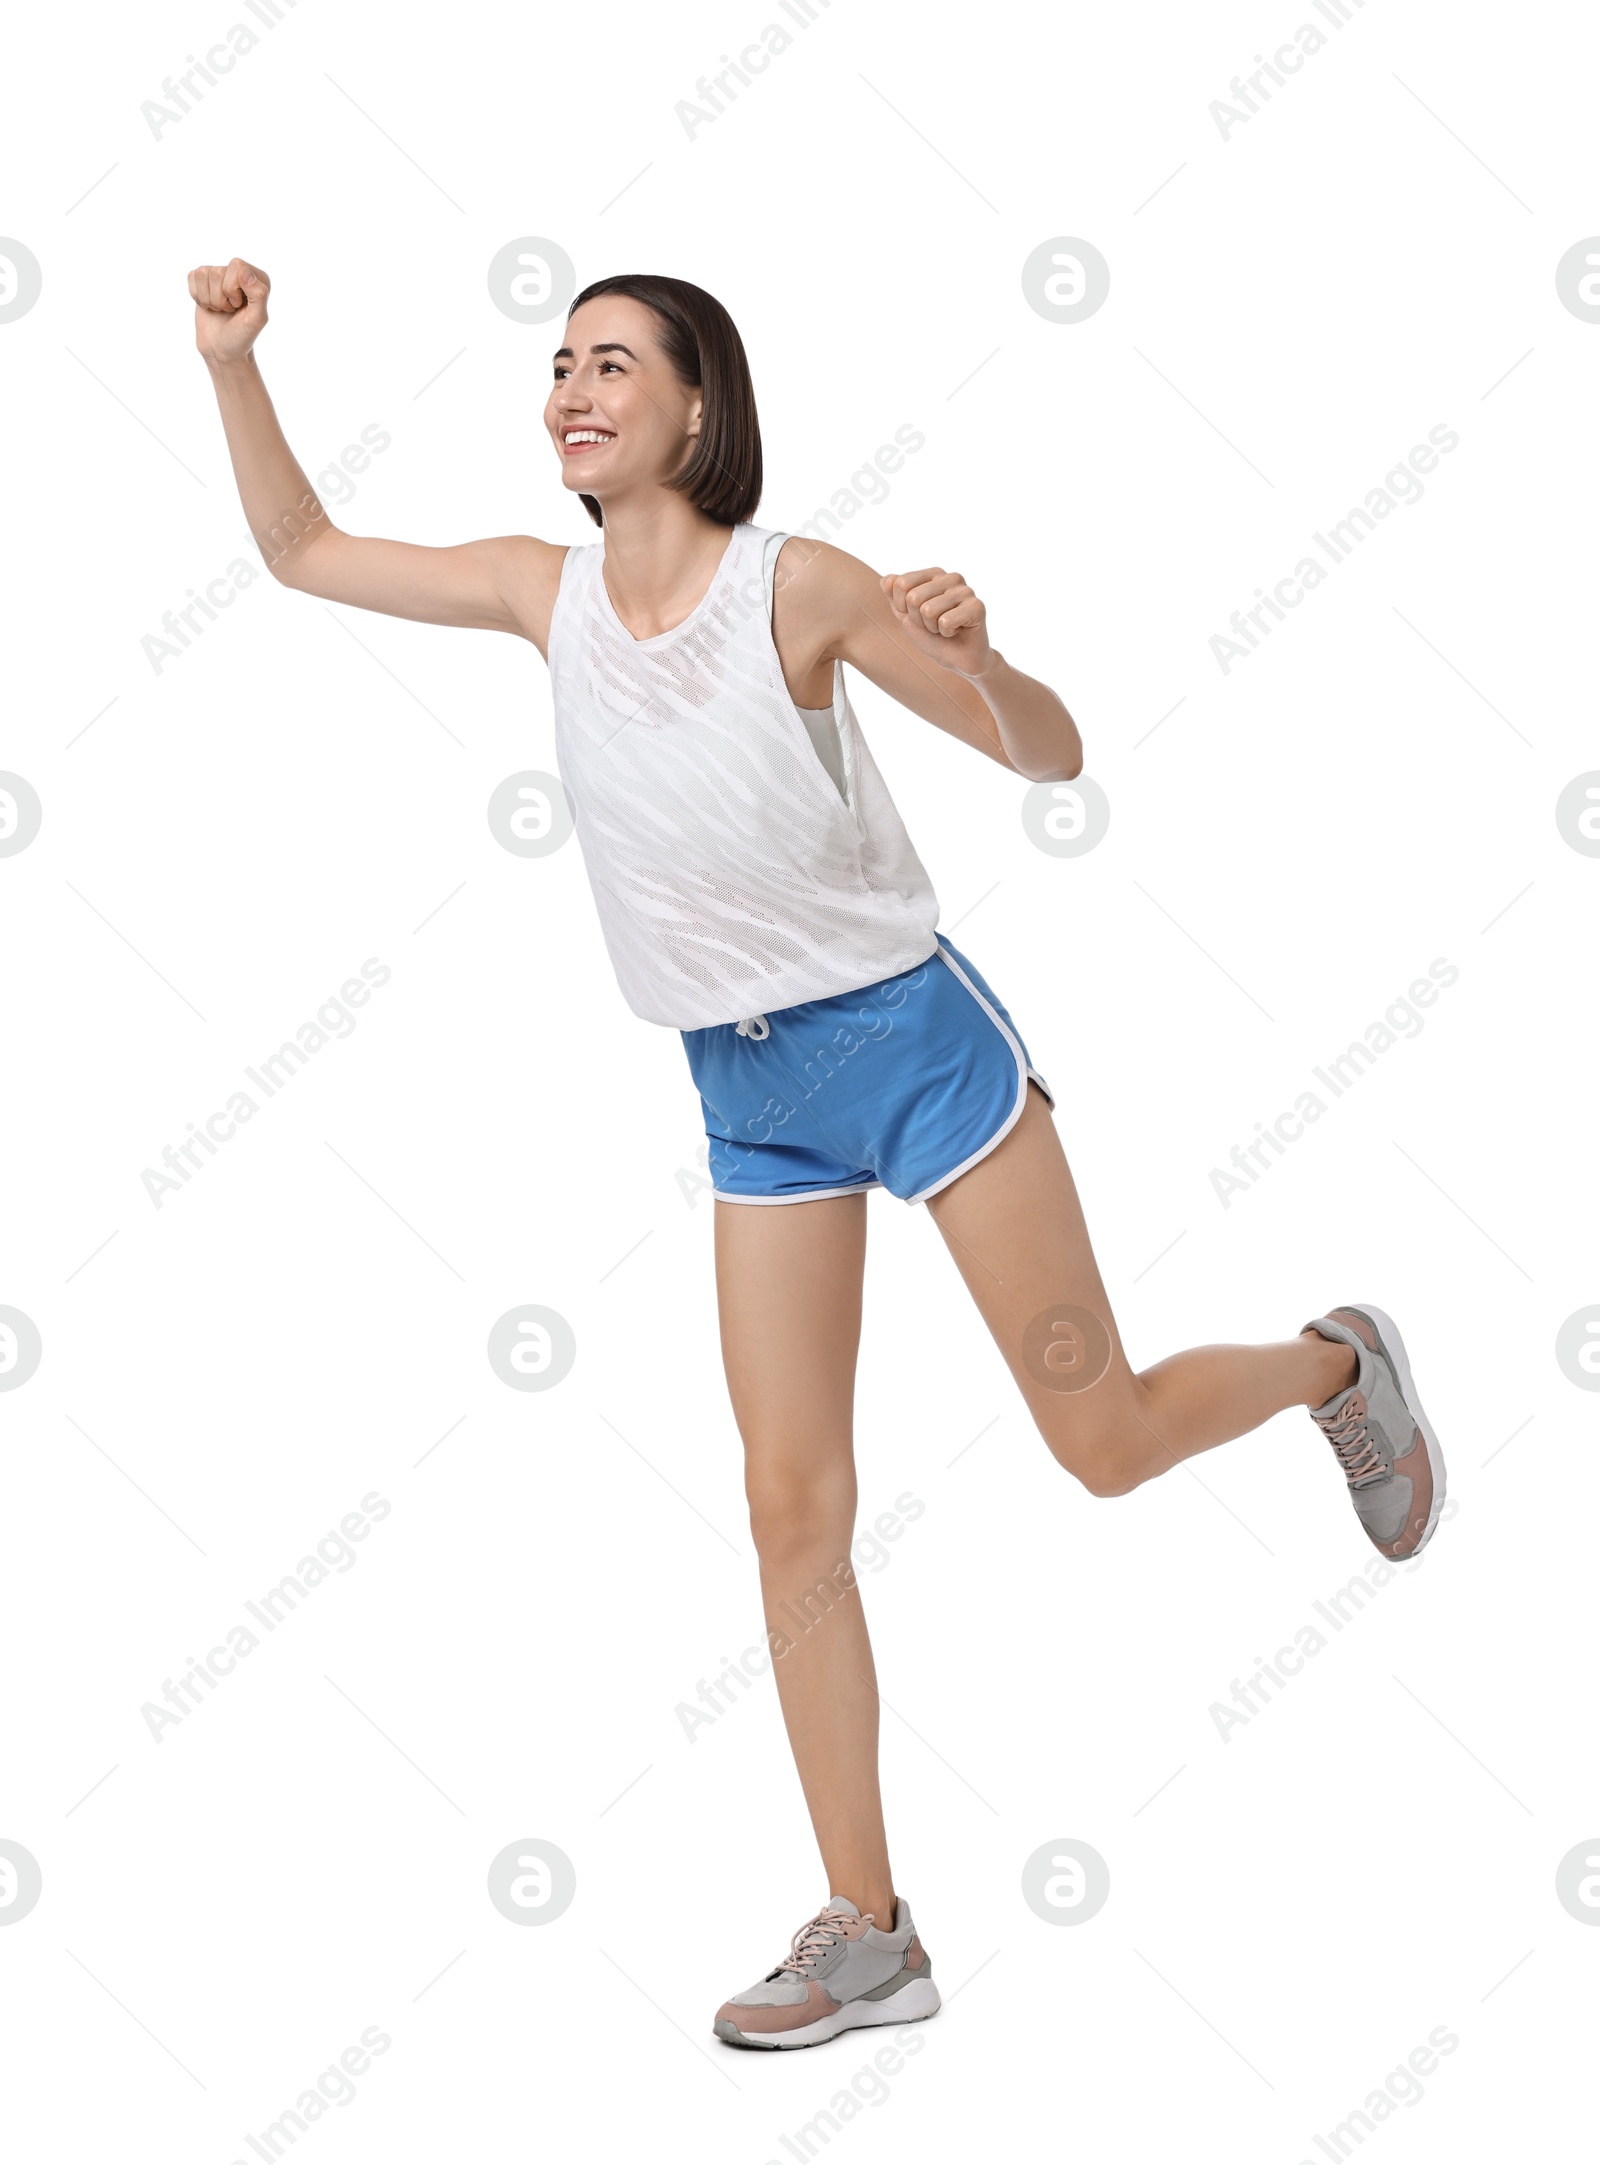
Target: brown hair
x,y
722,475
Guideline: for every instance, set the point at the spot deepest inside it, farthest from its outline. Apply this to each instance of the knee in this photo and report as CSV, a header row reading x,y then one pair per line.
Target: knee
x,y
794,1512
1102,1472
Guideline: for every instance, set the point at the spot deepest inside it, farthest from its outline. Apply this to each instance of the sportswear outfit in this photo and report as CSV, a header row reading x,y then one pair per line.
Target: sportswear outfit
x,y
758,892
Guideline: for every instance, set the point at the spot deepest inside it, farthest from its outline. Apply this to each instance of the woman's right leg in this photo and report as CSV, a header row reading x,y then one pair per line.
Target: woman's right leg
x,y
789,1300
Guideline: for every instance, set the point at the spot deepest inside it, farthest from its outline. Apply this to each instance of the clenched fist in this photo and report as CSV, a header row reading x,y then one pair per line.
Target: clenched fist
x,y
941,614
230,307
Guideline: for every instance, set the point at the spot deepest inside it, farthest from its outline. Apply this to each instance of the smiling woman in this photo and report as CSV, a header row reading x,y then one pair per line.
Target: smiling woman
x,y
759,893
719,431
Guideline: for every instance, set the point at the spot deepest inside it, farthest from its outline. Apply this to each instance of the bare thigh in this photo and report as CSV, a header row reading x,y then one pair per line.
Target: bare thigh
x,y
1016,1229
789,1280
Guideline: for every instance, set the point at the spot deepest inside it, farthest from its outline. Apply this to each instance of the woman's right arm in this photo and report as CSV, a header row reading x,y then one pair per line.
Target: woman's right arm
x,y
505,584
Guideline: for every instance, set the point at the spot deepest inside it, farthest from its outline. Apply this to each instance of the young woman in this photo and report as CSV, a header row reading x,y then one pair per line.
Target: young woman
x,y
758,892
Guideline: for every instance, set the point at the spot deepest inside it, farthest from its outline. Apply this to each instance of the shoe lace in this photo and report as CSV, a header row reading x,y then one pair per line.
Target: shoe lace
x,y
1352,1443
816,1938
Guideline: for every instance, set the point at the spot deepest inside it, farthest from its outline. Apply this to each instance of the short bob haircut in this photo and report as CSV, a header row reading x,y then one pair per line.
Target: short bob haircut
x,y
722,476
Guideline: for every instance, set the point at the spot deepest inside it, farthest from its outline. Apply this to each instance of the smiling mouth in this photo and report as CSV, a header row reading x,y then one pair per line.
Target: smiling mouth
x,y
578,440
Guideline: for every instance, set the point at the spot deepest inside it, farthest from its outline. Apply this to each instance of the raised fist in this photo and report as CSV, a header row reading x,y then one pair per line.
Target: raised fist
x,y
230,308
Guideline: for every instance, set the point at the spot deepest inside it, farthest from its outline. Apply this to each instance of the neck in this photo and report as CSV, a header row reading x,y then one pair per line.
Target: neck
x,y
660,558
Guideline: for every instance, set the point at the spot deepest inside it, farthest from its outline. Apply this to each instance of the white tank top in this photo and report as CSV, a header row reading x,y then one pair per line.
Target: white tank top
x,y
744,853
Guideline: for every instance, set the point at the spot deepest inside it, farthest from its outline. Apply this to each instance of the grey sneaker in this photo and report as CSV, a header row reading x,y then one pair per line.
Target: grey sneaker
x,y
841,1973
1381,1437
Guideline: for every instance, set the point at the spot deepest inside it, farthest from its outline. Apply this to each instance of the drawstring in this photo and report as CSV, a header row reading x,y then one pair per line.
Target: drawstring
x,y
756,1026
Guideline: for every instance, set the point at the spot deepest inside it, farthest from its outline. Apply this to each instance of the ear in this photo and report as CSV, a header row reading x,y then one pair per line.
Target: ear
x,y
692,424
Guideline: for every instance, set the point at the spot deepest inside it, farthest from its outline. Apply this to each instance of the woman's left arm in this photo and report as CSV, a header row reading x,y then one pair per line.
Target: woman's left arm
x,y
921,637
944,619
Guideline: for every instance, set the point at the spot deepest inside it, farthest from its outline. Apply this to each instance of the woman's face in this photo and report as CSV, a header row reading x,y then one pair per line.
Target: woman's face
x,y
620,420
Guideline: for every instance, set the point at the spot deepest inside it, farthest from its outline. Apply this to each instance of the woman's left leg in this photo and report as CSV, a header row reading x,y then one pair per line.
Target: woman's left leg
x,y
1016,1229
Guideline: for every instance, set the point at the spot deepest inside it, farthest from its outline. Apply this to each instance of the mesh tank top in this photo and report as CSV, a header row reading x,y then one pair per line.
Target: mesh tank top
x,y
732,872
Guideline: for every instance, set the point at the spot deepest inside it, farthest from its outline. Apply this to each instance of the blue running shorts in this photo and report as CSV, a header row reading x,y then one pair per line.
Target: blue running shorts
x,y
904,1085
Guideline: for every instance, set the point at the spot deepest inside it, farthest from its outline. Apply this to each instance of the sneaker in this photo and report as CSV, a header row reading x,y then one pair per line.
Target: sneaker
x,y
1380,1435
841,1973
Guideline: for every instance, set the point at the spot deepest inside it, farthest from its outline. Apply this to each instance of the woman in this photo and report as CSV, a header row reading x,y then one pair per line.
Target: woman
x,y
758,892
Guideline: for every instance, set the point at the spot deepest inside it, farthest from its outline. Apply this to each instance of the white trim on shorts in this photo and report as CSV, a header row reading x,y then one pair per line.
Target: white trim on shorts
x,y
1025,1075
804,1195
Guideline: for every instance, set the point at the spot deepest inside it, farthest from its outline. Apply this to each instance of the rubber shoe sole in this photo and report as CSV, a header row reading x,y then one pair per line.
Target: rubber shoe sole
x,y
914,2002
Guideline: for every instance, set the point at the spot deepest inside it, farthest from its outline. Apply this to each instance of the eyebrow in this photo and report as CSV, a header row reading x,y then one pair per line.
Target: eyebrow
x,y
613,345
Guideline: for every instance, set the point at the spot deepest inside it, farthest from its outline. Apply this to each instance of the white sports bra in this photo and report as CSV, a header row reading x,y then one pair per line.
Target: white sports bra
x,y
744,852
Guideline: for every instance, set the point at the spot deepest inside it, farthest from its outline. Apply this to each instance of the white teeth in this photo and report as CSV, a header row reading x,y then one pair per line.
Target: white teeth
x,y
586,436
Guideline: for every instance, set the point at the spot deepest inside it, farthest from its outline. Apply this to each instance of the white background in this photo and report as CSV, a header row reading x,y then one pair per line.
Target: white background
x,y
305,1855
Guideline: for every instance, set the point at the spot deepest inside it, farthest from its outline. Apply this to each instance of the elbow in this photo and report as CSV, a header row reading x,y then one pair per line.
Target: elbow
x,y
287,546
281,557
287,565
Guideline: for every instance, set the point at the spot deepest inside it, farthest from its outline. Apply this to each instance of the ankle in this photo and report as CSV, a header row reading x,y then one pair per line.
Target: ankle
x,y
1336,1367
874,1901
